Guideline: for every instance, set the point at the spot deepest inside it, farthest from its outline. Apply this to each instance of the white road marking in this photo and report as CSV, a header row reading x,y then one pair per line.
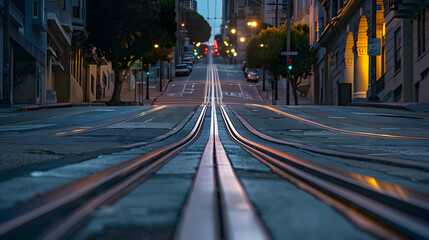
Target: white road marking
x,y
184,87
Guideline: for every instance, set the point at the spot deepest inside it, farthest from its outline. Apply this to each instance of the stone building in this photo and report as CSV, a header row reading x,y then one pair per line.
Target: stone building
x,y
26,52
344,73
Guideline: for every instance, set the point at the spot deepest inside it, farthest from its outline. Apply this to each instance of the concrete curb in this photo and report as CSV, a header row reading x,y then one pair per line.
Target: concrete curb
x,y
43,106
381,105
162,93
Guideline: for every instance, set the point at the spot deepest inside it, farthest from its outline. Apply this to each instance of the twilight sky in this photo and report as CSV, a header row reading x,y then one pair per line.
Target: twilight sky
x,y
210,9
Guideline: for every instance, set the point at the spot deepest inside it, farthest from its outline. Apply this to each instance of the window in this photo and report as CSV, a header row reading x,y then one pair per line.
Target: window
x,y
398,45
35,10
424,74
416,91
421,48
397,93
20,4
39,17
76,8
334,9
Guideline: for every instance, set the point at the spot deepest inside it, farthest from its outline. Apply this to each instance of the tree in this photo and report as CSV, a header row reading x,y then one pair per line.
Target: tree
x,y
304,61
197,27
127,30
263,50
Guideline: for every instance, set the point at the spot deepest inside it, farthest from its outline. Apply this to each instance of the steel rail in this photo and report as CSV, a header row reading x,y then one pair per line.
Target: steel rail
x,y
215,173
70,193
403,209
391,161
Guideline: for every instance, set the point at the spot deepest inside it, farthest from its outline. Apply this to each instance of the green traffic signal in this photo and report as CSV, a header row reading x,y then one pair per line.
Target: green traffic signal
x,y
290,67
195,53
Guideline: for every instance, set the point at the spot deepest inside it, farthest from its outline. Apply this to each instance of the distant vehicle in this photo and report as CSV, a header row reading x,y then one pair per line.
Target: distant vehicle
x,y
254,77
189,66
189,54
244,65
182,70
249,70
188,59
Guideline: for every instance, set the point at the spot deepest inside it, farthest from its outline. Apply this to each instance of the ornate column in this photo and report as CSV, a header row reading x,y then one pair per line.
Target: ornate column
x,y
361,63
348,58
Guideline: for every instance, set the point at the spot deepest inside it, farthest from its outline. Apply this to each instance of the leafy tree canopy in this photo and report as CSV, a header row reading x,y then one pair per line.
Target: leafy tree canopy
x,y
127,30
264,50
197,27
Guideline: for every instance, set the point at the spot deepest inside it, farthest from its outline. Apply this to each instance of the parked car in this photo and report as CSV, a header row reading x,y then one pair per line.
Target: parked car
x,y
182,70
254,77
188,55
244,65
189,65
249,70
188,59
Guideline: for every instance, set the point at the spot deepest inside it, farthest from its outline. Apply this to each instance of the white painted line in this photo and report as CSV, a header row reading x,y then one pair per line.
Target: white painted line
x,y
184,86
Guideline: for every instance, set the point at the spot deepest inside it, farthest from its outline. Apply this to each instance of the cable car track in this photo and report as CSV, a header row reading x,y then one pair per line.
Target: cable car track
x,y
217,205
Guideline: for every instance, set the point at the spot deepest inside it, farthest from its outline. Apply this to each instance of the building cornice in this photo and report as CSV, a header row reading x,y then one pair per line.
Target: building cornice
x,y
339,22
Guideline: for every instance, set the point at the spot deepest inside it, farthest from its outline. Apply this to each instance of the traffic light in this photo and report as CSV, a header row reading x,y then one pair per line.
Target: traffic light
x,y
289,66
147,70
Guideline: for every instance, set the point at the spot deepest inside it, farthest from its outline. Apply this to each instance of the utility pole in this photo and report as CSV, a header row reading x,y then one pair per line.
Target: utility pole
x,y
6,55
288,50
147,83
276,8
161,70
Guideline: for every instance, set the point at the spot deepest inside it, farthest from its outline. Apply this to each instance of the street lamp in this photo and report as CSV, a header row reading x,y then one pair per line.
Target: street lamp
x,y
242,39
156,45
233,31
252,24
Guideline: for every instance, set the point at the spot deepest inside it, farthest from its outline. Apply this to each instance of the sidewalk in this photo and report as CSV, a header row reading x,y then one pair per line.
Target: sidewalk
x,y
140,97
128,99
268,94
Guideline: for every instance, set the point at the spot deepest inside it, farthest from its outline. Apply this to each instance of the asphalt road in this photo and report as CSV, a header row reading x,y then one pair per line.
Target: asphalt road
x,y
43,149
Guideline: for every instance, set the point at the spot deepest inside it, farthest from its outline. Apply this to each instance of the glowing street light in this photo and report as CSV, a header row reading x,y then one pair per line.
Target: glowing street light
x,y
233,31
242,39
233,50
252,23
156,45
235,54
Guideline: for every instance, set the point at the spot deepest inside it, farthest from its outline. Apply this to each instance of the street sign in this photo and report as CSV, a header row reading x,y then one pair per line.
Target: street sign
x,y
137,65
374,46
289,53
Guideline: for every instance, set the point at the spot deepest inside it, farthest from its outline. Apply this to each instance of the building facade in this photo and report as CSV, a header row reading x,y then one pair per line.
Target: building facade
x,y
24,82
407,63
48,60
346,72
